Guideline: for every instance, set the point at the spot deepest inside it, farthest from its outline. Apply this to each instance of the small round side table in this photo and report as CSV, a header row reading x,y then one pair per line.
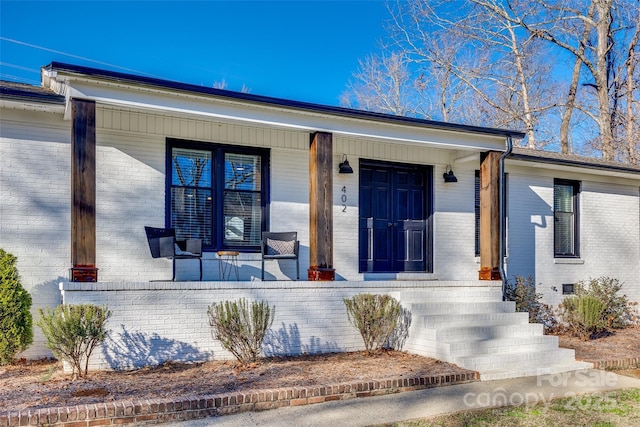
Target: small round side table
x,y
228,263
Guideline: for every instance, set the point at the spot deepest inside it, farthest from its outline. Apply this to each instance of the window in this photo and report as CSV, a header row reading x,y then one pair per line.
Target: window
x,y
567,289
565,218
217,193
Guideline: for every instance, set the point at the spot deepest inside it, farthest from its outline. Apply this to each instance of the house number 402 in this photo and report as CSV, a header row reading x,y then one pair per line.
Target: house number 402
x,y
343,198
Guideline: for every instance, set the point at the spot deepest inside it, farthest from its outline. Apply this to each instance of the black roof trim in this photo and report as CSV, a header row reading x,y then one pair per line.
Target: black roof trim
x,y
28,93
278,102
550,157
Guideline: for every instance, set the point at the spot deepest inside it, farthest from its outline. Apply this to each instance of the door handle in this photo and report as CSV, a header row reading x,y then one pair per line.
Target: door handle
x,y
389,225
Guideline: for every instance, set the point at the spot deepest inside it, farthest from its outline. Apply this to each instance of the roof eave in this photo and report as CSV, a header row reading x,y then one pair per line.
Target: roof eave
x,y
575,163
124,78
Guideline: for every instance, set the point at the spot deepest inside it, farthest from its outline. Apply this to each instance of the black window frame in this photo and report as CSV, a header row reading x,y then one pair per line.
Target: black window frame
x,y
218,152
576,188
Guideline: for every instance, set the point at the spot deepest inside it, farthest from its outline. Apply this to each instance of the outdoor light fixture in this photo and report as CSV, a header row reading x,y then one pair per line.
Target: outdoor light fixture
x,y
449,176
345,167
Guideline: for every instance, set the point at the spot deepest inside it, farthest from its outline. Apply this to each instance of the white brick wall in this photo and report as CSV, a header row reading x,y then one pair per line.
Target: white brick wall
x,y
609,210
153,322
35,204
454,236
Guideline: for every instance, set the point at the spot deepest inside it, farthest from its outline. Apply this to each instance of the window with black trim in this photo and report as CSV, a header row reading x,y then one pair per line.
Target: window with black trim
x,y
217,193
565,218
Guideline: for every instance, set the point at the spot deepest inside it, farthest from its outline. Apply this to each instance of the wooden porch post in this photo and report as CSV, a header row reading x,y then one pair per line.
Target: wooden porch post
x,y
83,191
490,216
321,207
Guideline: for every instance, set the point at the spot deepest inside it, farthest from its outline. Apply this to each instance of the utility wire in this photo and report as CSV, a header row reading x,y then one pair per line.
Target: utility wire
x,y
73,56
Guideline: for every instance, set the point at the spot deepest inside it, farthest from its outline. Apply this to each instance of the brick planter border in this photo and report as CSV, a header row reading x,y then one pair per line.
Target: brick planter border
x,y
629,363
191,407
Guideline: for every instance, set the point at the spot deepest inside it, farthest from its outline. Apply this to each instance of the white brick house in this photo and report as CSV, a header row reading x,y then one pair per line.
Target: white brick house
x,y
129,131
605,226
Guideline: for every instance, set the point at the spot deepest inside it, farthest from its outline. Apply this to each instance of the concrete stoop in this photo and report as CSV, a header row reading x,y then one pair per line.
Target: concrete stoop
x,y
473,328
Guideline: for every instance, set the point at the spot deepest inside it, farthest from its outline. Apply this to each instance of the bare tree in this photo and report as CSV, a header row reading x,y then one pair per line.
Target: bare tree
x,y
602,37
382,83
564,71
471,61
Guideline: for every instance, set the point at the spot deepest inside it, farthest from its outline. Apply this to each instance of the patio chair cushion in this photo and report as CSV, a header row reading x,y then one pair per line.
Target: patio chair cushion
x,y
280,247
179,251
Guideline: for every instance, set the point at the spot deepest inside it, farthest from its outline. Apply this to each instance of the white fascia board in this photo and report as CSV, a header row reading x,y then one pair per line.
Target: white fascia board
x,y
166,102
31,106
580,170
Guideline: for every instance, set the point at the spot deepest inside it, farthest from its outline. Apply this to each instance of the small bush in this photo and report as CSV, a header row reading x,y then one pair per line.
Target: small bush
x,y
374,316
523,292
16,330
618,311
584,315
73,331
241,327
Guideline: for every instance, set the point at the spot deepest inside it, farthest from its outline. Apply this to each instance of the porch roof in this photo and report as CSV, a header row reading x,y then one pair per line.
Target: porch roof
x,y
567,162
53,69
24,96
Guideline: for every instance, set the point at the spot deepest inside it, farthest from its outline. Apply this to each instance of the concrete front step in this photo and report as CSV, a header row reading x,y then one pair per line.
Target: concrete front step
x,y
453,295
475,329
497,346
537,359
482,333
436,308
545,373
463,320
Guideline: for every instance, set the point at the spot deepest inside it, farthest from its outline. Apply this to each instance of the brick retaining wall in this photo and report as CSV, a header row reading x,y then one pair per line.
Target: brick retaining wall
x,y
153,411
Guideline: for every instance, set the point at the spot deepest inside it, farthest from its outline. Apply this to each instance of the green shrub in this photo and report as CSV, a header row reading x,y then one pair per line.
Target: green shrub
x,y
374,316
523,292
241,327
73,331
584,315
618,311
16,331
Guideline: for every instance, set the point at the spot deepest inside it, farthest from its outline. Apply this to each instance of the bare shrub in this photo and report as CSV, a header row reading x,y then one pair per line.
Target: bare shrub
x,y
374,316
523,292
73,331
241,327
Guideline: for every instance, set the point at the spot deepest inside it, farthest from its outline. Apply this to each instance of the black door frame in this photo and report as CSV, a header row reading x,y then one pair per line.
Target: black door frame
x,y
427,171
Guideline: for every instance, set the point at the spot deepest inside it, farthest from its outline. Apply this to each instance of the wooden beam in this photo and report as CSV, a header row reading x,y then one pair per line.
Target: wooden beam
x,y
321,207
83,191
490,216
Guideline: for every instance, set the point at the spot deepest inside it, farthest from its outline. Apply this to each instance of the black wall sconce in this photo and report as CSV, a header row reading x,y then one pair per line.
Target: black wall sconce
x,y
344,166
448,175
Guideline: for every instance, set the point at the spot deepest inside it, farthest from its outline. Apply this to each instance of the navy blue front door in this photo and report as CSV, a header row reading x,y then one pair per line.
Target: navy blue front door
x,y
394,215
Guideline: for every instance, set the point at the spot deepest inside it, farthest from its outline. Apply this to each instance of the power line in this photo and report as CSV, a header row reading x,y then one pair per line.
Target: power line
x,y
19,67
11,77
73,56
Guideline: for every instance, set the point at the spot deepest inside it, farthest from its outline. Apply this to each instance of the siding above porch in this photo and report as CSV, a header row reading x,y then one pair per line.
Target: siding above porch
x,y
162,96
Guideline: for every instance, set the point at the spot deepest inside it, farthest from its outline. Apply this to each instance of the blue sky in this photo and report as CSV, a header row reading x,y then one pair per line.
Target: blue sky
x,y
301,50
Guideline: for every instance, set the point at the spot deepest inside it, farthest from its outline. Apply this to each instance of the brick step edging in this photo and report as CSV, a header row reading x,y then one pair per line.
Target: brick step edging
x,y
629,363
192,407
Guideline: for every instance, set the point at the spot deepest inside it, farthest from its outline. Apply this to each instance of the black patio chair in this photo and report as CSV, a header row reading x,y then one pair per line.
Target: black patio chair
x,y
163,244
280,245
